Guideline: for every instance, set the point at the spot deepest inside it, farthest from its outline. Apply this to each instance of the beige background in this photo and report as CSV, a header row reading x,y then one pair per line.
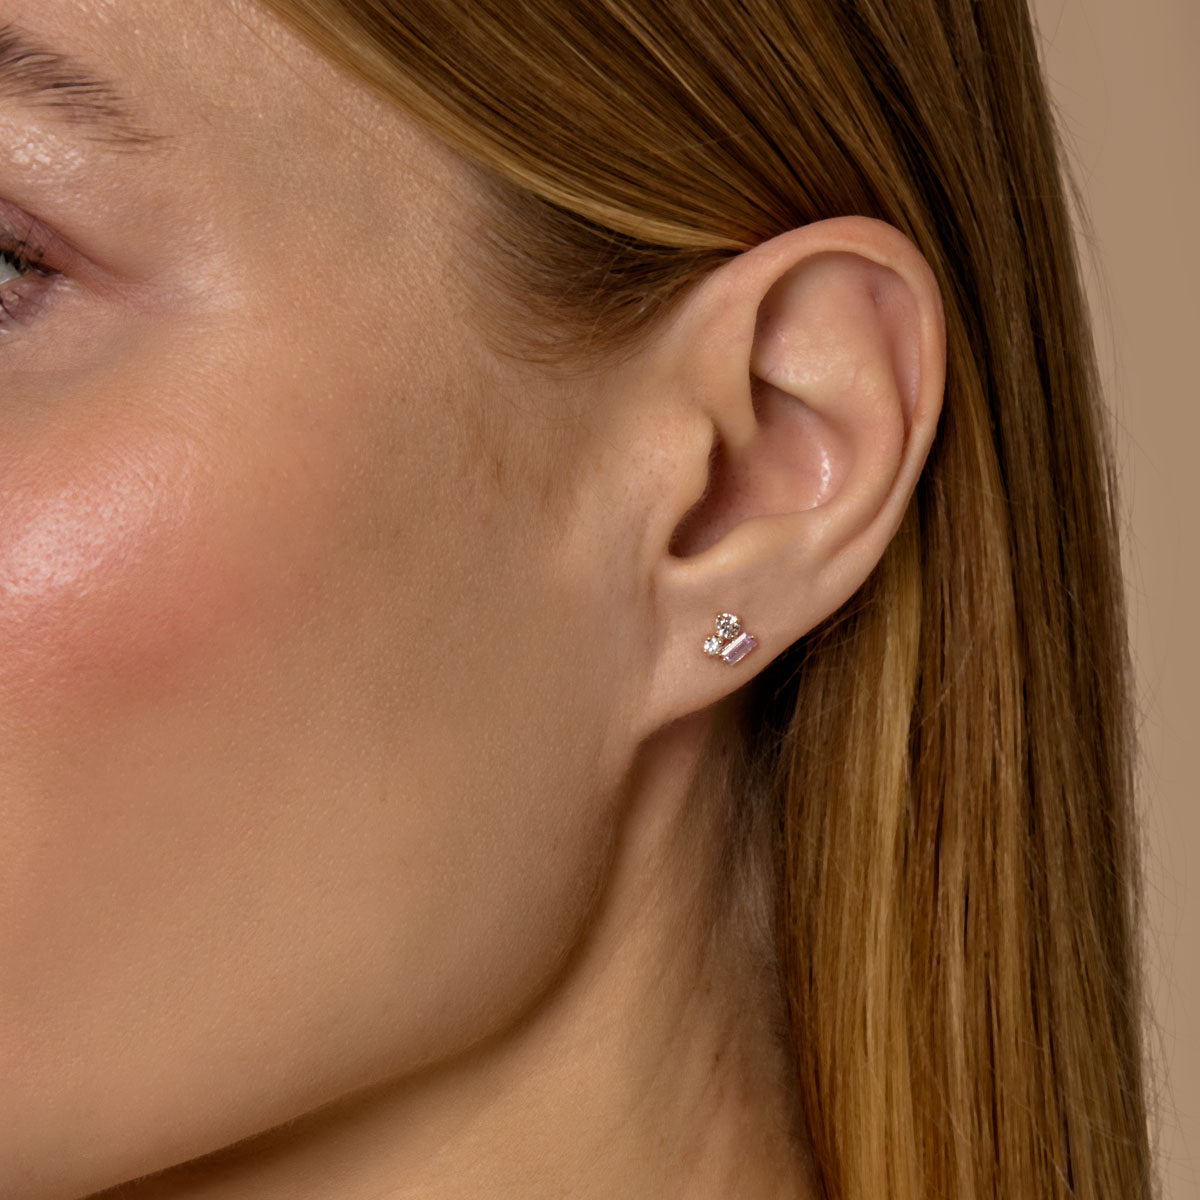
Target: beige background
x,y
1124,82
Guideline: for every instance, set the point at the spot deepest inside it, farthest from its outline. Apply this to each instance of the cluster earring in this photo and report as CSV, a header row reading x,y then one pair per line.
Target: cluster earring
x,y
732,642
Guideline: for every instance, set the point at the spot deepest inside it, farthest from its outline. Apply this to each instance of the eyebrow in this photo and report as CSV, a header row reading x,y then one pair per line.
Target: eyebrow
x,y
37,76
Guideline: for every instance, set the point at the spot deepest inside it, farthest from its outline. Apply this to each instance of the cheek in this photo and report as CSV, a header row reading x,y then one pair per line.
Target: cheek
x,y
116,575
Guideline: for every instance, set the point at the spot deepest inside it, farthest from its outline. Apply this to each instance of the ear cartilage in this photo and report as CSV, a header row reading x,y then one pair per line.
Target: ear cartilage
x,y
732,642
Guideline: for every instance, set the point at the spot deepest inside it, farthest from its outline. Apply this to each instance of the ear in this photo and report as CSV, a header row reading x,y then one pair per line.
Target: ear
x,y
810,372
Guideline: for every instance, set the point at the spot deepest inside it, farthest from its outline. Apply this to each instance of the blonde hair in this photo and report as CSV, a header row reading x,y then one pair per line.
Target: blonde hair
x,y
949,758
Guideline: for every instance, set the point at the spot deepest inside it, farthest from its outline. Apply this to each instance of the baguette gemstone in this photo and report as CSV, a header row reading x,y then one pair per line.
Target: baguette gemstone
x,y
739,648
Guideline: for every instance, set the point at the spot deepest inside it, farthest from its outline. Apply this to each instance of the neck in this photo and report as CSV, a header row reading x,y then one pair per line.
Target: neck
x,y
651,1068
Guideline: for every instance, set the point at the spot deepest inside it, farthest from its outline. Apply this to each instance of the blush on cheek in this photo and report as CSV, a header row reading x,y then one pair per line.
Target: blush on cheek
x,y
113,582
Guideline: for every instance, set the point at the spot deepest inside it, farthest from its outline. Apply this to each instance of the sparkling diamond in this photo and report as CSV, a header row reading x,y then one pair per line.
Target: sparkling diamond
x,y
713,646
739,648
728,626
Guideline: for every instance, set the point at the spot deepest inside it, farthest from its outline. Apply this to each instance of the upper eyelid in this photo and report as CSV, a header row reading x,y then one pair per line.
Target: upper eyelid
x,y
21,250
39,243
23,298
66,270
43,256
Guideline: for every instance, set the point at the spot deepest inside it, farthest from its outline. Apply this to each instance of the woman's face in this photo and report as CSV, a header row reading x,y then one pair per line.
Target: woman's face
x,y
308,676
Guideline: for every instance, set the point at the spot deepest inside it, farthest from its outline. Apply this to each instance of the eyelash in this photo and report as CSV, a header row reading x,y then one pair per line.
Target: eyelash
x,y
18,301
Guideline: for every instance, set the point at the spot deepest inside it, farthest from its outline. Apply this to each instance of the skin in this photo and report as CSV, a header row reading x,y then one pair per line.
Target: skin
x,y
349,693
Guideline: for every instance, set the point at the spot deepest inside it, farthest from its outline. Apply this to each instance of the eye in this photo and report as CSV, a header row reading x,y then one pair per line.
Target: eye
x,y
24,281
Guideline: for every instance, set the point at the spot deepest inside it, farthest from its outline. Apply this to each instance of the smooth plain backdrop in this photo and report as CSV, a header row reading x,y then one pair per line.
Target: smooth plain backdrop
x,y
1127,95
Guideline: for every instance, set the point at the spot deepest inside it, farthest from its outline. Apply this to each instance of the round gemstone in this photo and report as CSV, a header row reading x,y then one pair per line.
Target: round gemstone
x,y
728,626
712,646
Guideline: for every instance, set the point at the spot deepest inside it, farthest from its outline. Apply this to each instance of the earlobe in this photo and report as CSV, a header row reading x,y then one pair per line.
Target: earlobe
x,y
819,359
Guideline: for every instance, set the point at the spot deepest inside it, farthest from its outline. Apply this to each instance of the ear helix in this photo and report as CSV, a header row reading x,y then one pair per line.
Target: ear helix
x,y
732,642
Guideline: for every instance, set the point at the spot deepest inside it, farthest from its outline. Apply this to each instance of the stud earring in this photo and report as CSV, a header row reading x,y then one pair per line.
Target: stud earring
x,y
731,642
